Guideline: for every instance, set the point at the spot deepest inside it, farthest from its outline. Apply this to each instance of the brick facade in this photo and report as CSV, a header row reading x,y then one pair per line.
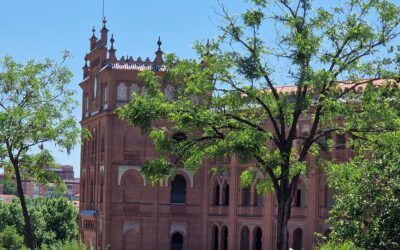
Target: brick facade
x,y
119,210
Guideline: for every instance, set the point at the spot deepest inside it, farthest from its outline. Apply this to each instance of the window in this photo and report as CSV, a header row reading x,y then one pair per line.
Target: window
x,y
86,105
122,92
179,136
298,200
169,92
178,190
340,141
297,239
258,198
244,239
246,197
216,195
329,200
225,201
105,96
257,239
214,238
177,241
224,238
134,88
95,88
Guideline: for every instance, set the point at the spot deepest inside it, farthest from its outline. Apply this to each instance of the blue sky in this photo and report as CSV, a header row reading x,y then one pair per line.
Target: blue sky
x,y
43,28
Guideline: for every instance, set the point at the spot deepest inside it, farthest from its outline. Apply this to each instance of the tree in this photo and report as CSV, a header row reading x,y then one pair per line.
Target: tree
x,y
9,186
369,219
10,239
236,100
54,220
35,109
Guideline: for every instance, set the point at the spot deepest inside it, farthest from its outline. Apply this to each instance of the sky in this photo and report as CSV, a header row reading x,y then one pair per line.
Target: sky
x,y
43,28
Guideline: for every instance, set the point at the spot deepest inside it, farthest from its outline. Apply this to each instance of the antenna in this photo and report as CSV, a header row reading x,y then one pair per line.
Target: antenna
x,y
102,18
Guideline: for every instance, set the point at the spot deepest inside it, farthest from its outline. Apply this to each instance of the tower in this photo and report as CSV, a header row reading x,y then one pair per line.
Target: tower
x,y
203,210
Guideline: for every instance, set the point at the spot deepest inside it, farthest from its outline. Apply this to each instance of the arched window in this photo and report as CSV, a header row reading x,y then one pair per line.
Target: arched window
x,y
340,141
224,238
214,238
246,197
105,96
244,239
258,198
133,89
329,200
297,239
216,195
101,186
178,190
95,88
257,239
122,92
131,240
177,241
299,198
225,197
169,92
85,105
132,187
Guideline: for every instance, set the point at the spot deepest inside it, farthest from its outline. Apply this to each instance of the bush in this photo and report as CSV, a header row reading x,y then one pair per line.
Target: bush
x,y
331,245
53,220
10,239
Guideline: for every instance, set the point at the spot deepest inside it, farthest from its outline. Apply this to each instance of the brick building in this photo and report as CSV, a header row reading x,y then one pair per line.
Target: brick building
x,y
119,210
34,190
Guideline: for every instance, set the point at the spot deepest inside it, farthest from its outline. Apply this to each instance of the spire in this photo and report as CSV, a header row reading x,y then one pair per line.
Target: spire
x,y
159,43
85,68
159,53
93,39
112,41
104,23
93,31
104,32
111,51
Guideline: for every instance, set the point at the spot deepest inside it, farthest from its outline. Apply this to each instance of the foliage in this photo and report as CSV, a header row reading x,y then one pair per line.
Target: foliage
x,y
53,219
10,239
367,209
9,186
35,108
233,101
65,245
330,245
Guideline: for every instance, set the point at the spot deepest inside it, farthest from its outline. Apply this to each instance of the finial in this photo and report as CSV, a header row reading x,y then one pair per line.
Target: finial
x,y
86,59
112,41
93,30
159,43
104,22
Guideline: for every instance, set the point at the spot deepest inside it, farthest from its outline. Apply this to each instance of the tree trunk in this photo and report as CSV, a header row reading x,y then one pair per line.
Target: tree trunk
x,y
28,228
284,208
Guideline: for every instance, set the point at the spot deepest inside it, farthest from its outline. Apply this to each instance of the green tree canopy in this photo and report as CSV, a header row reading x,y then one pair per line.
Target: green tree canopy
x,y
11,240
53,220
9,186
35,108
275,63
367,209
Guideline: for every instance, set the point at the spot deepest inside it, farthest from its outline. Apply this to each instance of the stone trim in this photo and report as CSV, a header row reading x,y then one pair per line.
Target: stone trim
x,y
123,169
131,225
178,227
188,173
